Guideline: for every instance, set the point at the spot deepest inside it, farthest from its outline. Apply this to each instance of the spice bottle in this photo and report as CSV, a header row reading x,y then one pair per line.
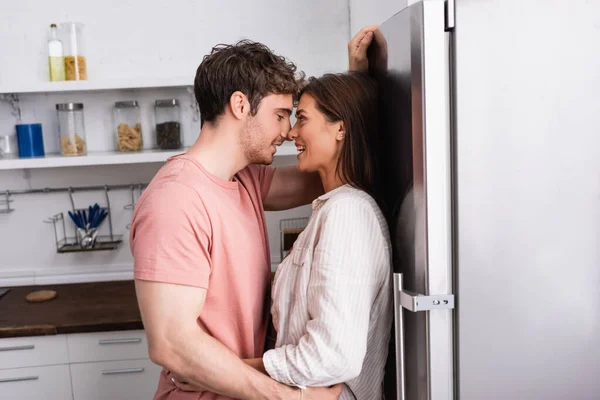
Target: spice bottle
x,y
56,62
168,126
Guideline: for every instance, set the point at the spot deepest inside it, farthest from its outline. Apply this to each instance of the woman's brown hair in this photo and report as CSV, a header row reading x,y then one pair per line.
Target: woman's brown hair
x,y
351,98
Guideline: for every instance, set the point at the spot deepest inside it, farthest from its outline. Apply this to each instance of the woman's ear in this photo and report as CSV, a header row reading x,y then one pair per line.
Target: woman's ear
x,y
341,132
240,107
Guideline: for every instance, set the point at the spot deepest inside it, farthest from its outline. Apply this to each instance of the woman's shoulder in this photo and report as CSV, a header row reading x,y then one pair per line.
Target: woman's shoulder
x,y
346,200
349,195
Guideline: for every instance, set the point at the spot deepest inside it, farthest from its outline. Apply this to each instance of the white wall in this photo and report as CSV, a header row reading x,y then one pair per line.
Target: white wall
x,y
135,38
126,40
373,12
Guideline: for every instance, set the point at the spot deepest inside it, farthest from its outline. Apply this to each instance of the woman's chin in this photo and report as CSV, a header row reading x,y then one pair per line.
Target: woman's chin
x,y
304,167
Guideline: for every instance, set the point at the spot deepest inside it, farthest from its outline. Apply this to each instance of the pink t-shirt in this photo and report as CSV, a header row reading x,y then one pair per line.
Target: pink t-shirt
x,y
192,228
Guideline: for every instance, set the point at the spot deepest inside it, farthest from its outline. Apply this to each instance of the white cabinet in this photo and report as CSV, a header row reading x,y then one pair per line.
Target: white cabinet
x,y
51,382
130,379
33,351
106,346
85,366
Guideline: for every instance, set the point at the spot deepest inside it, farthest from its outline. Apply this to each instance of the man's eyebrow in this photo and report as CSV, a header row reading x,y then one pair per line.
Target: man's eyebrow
x,y
288,111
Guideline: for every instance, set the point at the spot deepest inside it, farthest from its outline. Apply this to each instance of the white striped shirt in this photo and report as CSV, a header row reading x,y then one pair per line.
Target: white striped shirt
x,y
332,299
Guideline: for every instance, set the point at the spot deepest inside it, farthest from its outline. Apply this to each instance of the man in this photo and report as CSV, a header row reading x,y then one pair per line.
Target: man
x,y
198,236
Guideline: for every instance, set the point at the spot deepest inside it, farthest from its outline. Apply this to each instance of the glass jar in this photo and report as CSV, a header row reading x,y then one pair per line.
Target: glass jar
x,y
9,147
168,127
75,63
127,120
71,129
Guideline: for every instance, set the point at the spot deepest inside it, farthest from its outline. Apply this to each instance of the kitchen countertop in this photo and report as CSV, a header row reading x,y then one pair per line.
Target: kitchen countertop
x,y
77,308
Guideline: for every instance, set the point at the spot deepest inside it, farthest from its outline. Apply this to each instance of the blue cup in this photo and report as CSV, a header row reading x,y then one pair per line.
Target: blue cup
x,y
30,140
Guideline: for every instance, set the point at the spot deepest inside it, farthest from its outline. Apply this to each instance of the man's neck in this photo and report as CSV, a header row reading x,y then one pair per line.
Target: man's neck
x,y
219,151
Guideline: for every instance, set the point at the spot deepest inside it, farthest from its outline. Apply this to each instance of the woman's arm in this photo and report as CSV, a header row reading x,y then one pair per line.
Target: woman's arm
x,y
345,278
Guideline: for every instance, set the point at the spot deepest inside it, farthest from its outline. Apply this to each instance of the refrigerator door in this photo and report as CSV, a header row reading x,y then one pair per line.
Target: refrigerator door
x,y
528,199
416,117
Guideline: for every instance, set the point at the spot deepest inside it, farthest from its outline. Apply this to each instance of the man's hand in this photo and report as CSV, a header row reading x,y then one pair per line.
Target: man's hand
x,y
181,384
357,49
323,393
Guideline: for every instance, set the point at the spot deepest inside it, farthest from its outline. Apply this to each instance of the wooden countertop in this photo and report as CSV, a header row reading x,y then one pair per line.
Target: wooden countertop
x,y
77,308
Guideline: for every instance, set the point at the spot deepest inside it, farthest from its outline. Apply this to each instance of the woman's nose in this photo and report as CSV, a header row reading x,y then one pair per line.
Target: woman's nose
x,y
293,133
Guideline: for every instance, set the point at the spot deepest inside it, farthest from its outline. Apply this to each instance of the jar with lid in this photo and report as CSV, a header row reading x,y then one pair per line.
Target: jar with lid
x,y
75,63
127,120
168,126
71,129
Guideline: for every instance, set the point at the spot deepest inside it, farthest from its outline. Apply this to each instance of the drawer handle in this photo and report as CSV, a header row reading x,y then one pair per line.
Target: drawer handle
x,y
21,379
123,371
12,348
119,341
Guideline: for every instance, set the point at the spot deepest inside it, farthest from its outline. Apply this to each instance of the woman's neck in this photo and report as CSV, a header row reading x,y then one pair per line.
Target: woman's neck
x,y
330,180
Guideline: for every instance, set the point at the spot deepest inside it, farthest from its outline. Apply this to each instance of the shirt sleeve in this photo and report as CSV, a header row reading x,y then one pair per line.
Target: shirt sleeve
x,y
170,237
346,276
264,176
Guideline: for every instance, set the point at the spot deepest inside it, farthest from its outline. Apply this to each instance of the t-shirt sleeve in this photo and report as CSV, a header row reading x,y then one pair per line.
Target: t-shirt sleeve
x,y
263,174
170,237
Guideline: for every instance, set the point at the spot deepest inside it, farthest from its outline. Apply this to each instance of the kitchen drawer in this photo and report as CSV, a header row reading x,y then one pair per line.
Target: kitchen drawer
x,y
131,380
53,382
33,351
107,346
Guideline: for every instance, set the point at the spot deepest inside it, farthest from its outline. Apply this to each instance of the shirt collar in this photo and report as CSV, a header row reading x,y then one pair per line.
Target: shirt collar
x,y
319,201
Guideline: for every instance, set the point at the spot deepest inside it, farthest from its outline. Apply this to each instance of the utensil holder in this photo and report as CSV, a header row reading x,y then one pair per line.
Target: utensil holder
x,y
72,244
84,239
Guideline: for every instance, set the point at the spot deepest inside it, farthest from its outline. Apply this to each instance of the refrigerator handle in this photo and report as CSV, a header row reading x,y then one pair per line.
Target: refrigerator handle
x,y
399,337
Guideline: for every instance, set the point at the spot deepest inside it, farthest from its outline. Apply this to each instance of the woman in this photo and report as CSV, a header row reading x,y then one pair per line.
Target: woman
x,y
332,305
332,299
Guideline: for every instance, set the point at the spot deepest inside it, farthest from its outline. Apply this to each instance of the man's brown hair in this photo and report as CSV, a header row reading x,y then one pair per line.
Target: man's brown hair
x,y
246,66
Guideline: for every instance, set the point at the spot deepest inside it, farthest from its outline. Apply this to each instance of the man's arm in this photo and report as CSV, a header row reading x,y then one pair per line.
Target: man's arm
x,y
177,343
292,188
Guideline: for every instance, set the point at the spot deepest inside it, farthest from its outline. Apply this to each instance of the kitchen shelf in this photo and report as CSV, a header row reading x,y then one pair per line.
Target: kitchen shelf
x,y
108,158
95,85
93,158
105,242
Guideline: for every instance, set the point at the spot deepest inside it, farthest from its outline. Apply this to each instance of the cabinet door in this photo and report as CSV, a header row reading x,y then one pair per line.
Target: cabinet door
x,y
33,351
107,346
52,382
130,379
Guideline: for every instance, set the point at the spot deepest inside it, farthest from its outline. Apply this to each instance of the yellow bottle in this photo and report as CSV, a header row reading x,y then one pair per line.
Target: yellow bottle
x,y
56,61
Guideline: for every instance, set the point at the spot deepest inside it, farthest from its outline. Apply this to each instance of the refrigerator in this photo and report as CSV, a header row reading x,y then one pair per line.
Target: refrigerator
x,y
490,154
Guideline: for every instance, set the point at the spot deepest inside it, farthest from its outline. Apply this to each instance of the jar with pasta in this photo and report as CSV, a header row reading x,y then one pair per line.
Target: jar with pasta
x,y
127,121
71,129
75,62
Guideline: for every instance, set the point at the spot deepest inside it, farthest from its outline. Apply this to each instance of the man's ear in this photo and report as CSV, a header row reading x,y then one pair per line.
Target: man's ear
x,y
239,104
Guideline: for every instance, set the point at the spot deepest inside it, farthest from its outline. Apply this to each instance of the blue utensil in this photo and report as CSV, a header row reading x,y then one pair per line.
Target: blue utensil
x,y
75,219
99,218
